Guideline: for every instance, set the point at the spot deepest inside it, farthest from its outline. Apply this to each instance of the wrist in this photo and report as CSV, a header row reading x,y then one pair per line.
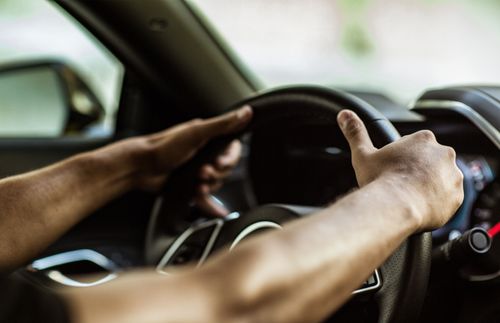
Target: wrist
x,y
140,156
120,162
406,196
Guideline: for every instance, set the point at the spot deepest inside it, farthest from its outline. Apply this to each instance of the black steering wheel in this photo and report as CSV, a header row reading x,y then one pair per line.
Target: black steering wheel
x,y
401,282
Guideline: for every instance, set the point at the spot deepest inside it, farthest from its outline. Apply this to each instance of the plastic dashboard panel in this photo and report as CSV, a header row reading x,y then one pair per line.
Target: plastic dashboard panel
x,y
479,104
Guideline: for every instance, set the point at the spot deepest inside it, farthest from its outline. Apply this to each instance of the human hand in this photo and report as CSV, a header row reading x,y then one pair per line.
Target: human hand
x,y
167,150
423,169
212,178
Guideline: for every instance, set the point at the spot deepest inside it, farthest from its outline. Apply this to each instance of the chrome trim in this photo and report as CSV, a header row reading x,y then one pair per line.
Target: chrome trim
x,y
158,203
44,264
155,213
216,223
252,228
483,278
478,120
378,283
59,277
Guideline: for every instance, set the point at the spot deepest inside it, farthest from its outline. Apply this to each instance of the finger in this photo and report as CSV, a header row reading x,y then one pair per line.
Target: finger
x,y
230,157
209,205
209,173
210,188
227,123
215,186
355,132
205,191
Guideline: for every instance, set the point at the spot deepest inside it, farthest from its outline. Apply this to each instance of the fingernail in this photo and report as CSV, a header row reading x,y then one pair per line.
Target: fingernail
x,y
344,118
244,113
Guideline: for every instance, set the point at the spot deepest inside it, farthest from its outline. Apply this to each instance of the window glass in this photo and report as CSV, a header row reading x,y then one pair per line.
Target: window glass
x,y
397,47
31,90
34,30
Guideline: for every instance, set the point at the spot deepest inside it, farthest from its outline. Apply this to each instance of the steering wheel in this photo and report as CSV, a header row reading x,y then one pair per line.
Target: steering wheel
x,y
401,282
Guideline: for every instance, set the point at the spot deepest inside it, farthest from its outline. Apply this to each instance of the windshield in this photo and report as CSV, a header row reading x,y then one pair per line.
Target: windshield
x,y
394,47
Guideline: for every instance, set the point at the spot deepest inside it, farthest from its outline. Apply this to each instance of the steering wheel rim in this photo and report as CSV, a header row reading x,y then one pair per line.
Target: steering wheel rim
x,y
401,297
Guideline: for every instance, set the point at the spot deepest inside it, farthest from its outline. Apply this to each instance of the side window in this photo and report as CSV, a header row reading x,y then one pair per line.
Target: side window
x,y
56,79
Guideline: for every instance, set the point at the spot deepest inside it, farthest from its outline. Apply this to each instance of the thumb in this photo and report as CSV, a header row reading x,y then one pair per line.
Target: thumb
x,y
227,123
355,132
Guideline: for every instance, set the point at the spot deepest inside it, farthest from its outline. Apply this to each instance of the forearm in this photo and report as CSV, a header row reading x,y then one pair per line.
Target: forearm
x,y
146,297
38,207
308,270
300,274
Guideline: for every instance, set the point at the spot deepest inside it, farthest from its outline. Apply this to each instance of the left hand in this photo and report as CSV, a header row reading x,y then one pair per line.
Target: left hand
x,y
167,150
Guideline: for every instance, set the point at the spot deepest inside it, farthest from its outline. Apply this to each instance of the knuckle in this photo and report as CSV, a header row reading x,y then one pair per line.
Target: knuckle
x,y
194,122
236,146
426,135
451,152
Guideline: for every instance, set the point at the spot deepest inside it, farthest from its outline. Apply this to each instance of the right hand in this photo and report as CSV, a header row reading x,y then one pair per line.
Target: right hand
x,y
417,163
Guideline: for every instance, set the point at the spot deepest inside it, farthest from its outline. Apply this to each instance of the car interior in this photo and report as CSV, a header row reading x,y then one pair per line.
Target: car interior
x,y
177,66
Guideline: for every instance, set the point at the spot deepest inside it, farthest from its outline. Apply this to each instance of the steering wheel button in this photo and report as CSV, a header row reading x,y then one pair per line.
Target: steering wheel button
x,y
479,240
